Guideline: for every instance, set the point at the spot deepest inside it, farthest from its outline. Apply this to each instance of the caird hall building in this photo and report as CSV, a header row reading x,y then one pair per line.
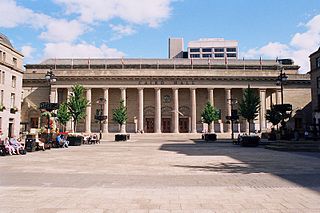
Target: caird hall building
x,y
168,95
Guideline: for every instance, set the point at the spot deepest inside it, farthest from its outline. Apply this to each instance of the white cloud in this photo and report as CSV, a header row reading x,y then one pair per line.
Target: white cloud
x,y
151,12
83,50
27,51
121,30
300,47
62,30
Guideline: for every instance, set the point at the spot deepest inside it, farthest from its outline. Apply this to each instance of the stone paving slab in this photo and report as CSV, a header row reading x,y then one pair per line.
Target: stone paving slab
x,y
168,174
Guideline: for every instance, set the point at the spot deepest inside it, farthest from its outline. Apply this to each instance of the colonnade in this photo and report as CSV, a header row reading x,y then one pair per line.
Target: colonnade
x,y
175,115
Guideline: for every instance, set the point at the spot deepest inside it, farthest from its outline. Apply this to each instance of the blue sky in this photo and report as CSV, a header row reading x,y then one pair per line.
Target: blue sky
x,y
140,28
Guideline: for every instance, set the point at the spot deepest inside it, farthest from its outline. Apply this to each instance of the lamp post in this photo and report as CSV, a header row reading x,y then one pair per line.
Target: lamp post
x,y
234,115
50,78
99,115
281,80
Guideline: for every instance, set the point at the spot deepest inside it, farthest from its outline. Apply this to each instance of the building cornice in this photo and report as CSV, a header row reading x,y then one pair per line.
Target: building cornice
x,y
10,66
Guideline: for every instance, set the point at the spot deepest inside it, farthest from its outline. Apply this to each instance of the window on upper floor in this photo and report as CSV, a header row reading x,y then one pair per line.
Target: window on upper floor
x,y
12,100
4,56
206,50
318,62
206,55
231,55
194,50
14,81
194,55
219,55
231,49
219,50
0,55
3,77
1,97
15,62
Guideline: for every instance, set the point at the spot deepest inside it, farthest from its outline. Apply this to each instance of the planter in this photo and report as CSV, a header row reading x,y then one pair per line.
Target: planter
x,y
75,140
122,137
209,137
249,140
31,145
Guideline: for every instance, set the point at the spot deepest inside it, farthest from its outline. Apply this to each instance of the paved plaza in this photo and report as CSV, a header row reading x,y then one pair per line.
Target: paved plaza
x,y
167,173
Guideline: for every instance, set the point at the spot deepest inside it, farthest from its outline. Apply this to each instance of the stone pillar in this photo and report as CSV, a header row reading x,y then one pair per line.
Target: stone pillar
x,y
53,95
211,100
193,110
105,109
175,110
69,125
157,122
262,118
124,99
88,111
228,107
278,95
140,119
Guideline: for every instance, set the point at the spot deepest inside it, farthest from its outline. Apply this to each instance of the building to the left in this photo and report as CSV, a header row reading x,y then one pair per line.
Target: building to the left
x,y
11,73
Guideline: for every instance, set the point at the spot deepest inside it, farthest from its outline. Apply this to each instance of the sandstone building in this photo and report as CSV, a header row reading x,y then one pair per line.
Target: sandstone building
x,y
166,95
11,73
315,84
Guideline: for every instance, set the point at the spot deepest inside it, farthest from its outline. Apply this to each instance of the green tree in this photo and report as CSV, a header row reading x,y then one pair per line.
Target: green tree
x,y
77,104
249,106
120,115
63,114
209,114
273,116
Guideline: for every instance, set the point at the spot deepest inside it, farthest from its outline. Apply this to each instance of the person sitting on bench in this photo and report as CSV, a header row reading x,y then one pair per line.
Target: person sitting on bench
x,y
16,145
62,142
8,147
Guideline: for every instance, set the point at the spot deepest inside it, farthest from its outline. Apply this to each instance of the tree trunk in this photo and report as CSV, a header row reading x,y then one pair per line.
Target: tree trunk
x,y
74,125
249,126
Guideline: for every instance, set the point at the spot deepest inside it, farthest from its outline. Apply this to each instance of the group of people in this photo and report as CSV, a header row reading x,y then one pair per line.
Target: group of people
x,y
61,141
13,146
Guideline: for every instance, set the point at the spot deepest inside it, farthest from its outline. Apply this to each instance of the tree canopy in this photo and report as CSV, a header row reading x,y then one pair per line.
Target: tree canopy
x,y
120,114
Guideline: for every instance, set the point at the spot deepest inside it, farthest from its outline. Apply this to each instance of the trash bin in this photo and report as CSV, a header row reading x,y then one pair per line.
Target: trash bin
x,y
31,145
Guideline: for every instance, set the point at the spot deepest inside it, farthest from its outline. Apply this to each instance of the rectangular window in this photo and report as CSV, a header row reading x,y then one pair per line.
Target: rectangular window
x,y
231,50
0,55
12,100
3,77
15,62
206,55
231,55
14,81
193,50
206,50
219,50
34,122
194,55
318,62
219,55
1,97
4,57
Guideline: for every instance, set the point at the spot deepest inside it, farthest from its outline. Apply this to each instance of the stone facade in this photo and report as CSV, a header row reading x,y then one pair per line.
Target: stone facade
x,y
10,88
315,84
166,95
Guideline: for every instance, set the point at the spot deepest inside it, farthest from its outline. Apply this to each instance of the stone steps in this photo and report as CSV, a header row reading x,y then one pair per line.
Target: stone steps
x,y
308,146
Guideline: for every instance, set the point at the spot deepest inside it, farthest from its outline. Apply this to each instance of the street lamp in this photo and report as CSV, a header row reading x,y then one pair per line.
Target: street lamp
x,y
50,78
281,79
234,117
99,115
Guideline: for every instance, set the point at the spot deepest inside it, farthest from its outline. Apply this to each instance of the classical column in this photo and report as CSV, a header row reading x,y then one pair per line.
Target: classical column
x,y
157,122
88,111
211,100
123,95
124,99
175,110
278,95
53,95
105,109
193,110
69,126
228,107
140,119
262,118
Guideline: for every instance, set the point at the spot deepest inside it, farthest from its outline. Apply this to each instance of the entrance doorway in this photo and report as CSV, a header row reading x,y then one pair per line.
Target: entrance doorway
x,y
183,125
150,125
166,125
10,130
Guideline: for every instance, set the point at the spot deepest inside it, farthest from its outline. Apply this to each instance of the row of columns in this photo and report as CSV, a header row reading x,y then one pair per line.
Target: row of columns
x,y
157,123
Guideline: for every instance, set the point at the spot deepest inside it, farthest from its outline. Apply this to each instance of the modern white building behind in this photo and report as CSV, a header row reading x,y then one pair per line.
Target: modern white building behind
x,y
11,74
